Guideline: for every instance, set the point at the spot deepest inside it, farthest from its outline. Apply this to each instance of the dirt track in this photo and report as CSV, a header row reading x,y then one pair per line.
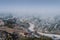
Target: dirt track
x,y
10,30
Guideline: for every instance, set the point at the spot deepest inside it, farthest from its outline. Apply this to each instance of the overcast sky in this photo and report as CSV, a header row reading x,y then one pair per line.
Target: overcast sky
x,y
30,7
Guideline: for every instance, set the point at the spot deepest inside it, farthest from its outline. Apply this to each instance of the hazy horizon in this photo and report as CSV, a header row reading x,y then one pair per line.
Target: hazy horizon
x,y
43,8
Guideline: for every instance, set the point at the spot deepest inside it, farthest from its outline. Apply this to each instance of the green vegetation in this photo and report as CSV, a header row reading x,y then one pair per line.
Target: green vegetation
x,y
41,38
